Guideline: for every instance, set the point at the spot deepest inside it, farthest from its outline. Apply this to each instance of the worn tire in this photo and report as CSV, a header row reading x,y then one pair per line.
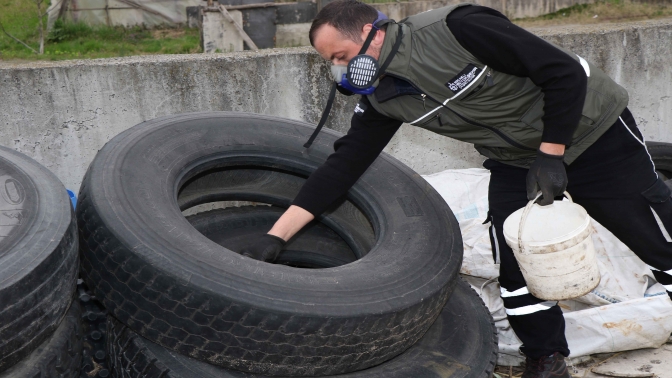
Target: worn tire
x,y
164,280
277,188
38,255
661,154
315,246
59,356
94,341
461,343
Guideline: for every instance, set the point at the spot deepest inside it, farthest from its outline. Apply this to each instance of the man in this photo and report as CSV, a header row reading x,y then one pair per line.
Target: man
x,y
544,117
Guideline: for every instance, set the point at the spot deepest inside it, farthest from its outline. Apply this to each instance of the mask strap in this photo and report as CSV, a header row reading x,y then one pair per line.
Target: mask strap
x,y
332,92
393,52
369,38
325,115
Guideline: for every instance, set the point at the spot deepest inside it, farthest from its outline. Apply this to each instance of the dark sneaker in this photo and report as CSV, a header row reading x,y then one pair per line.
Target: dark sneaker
x,y
552,366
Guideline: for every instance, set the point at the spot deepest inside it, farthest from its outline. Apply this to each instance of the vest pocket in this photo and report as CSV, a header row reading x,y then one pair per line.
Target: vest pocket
x,y
427,120
595,107
532,116
428,106
474,91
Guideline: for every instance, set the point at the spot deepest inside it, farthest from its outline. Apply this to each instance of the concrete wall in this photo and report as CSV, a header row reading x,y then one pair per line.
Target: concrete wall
x,y
292,35
511,8
637,56
62,113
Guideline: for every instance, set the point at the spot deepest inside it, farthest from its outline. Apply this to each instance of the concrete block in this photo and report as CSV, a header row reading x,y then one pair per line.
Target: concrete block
x,y
292,35
219,35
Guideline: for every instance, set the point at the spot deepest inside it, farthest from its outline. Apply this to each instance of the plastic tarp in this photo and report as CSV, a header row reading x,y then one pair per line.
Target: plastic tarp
x,y
123,12
627,310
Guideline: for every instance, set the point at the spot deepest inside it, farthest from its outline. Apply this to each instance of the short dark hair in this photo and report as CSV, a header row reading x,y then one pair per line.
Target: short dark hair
x,y
347,16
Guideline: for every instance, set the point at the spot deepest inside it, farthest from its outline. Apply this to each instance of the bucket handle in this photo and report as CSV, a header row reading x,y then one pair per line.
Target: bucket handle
x,y
523,218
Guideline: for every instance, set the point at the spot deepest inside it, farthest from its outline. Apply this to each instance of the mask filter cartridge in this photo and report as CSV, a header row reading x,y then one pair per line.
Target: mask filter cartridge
x,y
362,71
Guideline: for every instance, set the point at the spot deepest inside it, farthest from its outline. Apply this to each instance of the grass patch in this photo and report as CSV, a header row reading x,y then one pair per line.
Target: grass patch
x,y
599,12
80,41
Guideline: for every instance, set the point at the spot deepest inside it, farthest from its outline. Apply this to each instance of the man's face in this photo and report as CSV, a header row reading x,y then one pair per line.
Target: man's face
x,y
339,49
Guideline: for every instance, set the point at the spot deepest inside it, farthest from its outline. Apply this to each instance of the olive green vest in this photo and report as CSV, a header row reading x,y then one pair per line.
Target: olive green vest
x,y
464,99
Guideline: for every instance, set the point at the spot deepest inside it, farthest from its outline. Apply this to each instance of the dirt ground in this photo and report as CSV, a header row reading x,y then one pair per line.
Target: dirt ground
x,y
631,364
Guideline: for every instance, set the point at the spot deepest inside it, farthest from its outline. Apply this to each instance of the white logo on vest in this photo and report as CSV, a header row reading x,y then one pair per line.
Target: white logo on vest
x,y
464,78
360,109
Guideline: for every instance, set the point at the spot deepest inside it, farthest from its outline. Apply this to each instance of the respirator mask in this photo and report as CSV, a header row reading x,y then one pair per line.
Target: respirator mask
x,y
361,74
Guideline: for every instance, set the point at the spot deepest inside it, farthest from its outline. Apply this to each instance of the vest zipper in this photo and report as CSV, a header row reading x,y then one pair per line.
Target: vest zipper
x,y
488,79
504,137
490,82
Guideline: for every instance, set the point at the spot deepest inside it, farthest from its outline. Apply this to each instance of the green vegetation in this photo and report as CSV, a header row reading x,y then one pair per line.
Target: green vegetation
x,y
20,18
599,12
80,41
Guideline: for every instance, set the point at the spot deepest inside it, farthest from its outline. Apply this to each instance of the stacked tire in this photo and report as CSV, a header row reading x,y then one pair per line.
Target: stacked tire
x,y
353,295
39,322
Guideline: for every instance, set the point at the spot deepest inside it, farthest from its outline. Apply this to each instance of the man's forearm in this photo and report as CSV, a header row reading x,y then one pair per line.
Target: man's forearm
x,y
291,222
552,148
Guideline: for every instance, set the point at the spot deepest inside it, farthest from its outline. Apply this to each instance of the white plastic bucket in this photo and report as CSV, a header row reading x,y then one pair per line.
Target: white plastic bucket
x,y
554,249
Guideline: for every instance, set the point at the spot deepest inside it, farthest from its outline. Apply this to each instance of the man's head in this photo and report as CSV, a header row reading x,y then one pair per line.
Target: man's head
x,y
340,28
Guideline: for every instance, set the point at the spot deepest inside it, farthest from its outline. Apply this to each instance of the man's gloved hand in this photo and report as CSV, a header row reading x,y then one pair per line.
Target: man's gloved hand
x,y
547,174
266,248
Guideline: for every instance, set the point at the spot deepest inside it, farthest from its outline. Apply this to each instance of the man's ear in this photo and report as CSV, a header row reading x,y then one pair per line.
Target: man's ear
x,y
365,31
378,39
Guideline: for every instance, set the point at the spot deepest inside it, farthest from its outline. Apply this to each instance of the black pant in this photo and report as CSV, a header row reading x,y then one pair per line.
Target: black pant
x,y
615,181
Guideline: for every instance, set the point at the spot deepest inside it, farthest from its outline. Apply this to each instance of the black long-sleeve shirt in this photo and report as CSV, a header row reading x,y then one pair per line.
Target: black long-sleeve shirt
x,y
496,42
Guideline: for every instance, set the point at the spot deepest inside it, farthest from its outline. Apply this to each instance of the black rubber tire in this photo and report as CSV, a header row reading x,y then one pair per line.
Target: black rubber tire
x,y
38,255
164,280
94,331
59,356
461,343
277,188
661,154
315,246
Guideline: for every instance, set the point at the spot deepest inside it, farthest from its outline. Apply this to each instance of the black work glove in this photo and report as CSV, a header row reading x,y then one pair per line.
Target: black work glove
x,y
266,248
547,174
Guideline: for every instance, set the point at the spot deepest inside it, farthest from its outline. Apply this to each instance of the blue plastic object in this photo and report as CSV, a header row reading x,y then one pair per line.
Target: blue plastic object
x,y
73,198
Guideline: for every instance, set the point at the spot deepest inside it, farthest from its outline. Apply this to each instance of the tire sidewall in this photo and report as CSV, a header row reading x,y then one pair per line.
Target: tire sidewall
x,y
416,246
